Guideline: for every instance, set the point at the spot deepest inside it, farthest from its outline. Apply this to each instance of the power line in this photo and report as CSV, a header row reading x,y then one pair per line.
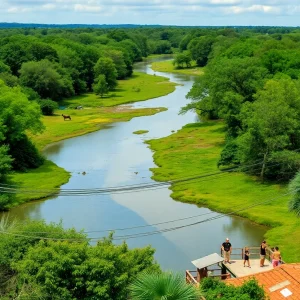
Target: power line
x,y
117,189
143,234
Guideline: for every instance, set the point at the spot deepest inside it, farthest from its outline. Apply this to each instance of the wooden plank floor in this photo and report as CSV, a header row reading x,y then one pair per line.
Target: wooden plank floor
x,y
237,267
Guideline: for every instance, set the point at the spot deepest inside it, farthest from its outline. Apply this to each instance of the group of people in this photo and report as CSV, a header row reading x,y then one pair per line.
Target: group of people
x,y
276,256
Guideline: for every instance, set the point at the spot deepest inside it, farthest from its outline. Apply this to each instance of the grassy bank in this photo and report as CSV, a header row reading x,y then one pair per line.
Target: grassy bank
x,y
139,87
167,66
97,112
48,176
194,150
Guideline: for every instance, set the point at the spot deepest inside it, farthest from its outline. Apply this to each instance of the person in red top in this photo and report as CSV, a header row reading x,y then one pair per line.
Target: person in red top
x,y
226,249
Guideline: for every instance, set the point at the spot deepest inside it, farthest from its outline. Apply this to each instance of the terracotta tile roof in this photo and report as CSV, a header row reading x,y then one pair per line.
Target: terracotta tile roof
x,y
286,276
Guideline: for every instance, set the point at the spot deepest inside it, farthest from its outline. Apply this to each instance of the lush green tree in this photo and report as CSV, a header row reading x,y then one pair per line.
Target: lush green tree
x,y
14,54
152,286
105,66
100,86
18,115
182,59
48,106
9,79
216,289
294,189
38,51
69,268
118,59
225,86
133,50
47,79
4,68
118,35
71,61
200,49
160,47
270,122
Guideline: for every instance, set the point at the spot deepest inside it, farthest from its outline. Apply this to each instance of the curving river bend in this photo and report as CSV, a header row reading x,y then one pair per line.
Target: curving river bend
x,y
113,157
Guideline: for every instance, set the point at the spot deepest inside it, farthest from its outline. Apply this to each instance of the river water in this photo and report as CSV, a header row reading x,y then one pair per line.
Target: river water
x,y
114,157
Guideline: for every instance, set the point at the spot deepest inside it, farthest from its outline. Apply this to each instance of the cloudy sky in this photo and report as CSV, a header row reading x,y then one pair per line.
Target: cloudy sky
x,y
165,12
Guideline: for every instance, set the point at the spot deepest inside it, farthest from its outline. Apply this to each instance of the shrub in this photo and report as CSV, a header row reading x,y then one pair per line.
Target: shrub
x,y
48,106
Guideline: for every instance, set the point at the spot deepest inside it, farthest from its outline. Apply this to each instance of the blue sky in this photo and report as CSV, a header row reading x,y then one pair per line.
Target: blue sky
x,y
164,12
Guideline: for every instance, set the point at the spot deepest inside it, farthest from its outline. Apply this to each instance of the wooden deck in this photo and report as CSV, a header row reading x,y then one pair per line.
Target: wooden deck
x,y
237,269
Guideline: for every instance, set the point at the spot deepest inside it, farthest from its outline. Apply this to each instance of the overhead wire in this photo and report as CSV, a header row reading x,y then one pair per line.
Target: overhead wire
x,y
144,234
135,187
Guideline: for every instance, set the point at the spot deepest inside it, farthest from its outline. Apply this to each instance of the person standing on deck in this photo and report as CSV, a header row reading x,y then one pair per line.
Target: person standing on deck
x,y
226,249
263,247
276,257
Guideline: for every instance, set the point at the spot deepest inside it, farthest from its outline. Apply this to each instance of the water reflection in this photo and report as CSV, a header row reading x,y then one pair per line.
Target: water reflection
x,y
116,157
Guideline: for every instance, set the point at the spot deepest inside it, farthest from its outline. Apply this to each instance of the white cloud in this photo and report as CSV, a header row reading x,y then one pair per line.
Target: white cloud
x,y
142,11
87,8
252,9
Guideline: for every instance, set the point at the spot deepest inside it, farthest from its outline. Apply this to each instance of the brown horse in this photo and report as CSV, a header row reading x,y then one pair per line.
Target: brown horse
x,y
66,117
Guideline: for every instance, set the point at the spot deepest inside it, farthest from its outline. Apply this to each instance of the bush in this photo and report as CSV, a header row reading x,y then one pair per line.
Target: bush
x,y
48,106
215,289
28,158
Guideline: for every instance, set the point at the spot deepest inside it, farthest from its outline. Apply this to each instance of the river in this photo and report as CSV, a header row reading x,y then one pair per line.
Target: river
x,y
114,157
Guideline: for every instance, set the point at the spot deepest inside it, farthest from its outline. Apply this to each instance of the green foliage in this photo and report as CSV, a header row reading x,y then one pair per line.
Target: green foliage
x,y
119,61
294,188
270,123
216,289
225,86
169,286
17,115
105,66
70,269
9,79
160,47
200,49
181,59
229,154
5,162
100,87
4,68
26,159
48,106
47,79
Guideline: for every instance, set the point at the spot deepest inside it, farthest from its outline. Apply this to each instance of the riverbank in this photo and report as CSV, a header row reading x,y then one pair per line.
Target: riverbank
x,y
167,66
96,114
195,150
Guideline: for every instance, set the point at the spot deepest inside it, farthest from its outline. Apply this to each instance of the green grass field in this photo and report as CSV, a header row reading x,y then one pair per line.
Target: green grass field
x,y
167,66
194,150
97,113
48,176
139,87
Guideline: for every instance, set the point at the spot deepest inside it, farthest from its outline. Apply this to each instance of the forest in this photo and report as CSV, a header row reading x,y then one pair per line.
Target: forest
x,y
250,81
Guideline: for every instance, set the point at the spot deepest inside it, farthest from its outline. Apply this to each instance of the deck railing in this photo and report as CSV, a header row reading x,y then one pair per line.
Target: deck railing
x,y
191,276
191,279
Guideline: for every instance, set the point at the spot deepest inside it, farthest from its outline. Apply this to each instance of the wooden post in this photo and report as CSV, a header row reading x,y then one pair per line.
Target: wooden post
x,y
201,273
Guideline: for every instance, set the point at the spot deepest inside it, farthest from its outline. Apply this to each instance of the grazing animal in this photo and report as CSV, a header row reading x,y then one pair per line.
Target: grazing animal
x,y
66,117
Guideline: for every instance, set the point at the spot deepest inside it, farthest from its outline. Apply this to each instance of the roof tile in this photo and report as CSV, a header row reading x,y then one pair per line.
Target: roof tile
x,y
278,279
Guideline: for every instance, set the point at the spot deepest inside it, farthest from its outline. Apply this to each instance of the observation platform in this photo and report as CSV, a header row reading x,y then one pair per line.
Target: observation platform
x,y
213,265
236,267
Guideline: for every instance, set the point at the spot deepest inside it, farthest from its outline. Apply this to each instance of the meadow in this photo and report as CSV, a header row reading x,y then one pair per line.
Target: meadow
x,y
167,66
97,113
194,151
